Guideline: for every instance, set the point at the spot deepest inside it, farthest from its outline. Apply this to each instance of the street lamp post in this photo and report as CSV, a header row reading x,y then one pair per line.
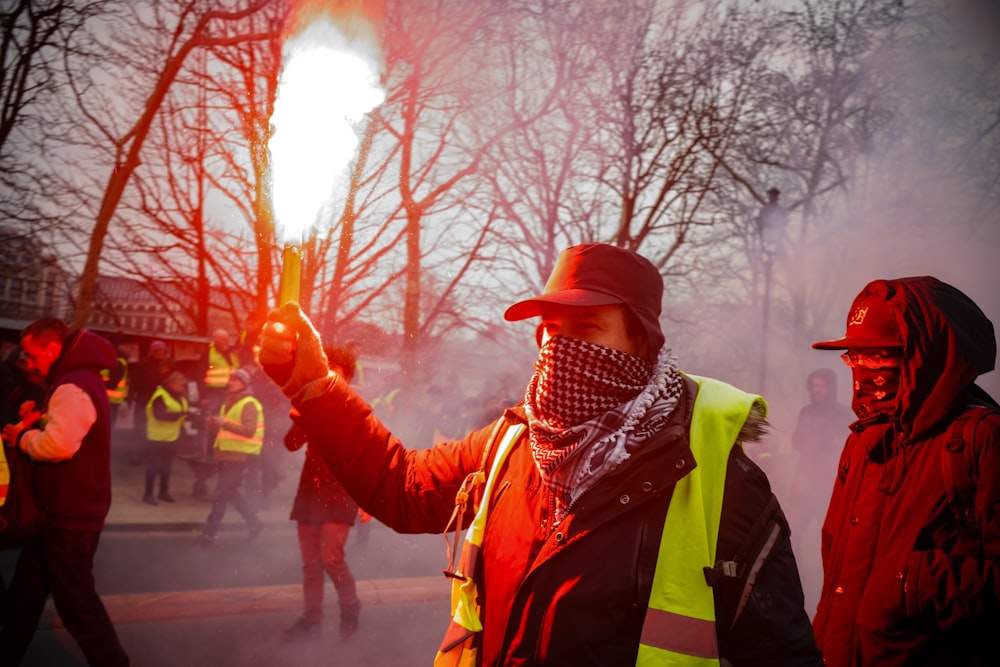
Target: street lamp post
x,y
771,222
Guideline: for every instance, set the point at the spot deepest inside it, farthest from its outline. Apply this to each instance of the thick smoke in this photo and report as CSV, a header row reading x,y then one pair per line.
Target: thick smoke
x,y
919,209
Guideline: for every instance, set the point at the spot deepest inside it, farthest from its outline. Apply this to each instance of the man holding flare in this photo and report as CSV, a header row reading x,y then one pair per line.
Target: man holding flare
x,y
613,516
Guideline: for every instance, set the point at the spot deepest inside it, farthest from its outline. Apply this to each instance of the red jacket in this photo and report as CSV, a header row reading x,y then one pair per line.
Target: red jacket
x,y
902,585
577,594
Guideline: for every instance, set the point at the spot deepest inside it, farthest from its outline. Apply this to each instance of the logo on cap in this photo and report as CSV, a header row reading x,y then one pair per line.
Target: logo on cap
x,y
870,323
858,316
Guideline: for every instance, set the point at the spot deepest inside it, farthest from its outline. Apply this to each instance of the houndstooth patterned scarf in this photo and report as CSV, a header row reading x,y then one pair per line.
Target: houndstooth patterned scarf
x,y
589,407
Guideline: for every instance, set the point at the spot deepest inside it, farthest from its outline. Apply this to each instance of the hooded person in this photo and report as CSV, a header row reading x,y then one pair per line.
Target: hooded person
x,y
69,440
613,517
907,579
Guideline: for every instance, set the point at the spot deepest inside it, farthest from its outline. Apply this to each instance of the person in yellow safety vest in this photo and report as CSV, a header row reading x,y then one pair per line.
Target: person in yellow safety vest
x,y
219,361
386,402
116,384
165,414
615,518
238,435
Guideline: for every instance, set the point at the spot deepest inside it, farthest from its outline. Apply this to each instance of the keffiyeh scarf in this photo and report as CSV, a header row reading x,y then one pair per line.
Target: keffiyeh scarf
x,y
589,407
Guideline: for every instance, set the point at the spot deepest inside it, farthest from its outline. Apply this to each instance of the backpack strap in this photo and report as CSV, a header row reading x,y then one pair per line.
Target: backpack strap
x,y
464,495
960,468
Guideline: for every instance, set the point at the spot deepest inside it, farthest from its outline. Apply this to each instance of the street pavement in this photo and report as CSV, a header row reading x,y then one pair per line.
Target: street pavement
x,y
174,603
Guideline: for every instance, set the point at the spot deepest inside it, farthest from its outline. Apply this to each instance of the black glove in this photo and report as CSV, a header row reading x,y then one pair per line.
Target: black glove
x,y
291,352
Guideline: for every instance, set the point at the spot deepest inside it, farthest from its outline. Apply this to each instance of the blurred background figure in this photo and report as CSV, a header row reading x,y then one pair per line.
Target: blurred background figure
x,y
354,348
325,513
116,382
238,434
269,469
165,415
22,388
818,438
147,375
218,362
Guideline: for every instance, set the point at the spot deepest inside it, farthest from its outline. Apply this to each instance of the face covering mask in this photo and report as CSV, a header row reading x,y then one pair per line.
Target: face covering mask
x,y
576,380
875,390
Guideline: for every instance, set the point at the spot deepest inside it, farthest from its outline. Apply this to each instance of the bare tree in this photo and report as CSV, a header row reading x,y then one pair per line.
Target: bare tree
x,y
648,96
438,69
510,131
195,24
36,39
543,172
820,116
242,87
33,38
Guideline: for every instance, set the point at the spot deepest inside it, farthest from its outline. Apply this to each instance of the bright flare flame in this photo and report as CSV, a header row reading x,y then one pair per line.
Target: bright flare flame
x,y
325,88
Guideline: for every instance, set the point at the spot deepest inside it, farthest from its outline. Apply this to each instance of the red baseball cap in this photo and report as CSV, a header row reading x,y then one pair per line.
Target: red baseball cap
x,y
870,323
599,274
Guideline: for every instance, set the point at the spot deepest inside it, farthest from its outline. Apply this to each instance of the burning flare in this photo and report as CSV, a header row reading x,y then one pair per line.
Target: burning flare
x,y
329,81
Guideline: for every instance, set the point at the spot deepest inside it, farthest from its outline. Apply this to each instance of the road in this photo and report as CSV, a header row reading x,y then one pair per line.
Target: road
x,y
397,635
177,604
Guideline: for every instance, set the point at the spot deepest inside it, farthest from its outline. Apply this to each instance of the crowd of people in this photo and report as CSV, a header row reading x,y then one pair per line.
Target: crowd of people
x,y
609,512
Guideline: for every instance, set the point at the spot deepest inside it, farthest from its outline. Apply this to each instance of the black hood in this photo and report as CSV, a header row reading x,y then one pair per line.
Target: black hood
x,y
83,350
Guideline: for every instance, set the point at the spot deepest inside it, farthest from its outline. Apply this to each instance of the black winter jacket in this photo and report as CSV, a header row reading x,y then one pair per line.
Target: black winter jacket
x,y
319,498
574,595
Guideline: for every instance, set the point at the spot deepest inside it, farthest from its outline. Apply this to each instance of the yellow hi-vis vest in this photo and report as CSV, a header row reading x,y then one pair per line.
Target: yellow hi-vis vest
x,y
116,394
4,476
220,367
458,647
679,629
164,431
227,441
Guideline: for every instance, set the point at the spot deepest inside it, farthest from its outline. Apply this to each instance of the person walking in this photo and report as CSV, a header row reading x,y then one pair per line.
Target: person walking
x,y
165,414
613,517
71,446
324,513
911,539
238,435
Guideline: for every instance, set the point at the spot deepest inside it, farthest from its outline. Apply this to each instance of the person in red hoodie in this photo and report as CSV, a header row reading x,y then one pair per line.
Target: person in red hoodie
x,y
70,442
907,579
